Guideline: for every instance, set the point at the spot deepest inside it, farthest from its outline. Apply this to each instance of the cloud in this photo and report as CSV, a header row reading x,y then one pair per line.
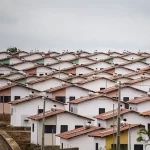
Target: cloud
x,y
85,24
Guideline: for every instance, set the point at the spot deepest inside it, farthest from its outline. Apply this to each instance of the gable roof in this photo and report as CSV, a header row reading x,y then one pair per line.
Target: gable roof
x,y
109,114
77,132
53,113
139,100
30,98
109,131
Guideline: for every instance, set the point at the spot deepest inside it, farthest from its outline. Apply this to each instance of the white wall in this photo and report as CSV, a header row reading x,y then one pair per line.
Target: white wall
x,y
47,84
3,55
99,65
19,91
61,65
122,71
144,85
43,70
67,57
119,61
83,142
136,65
5,70
23,65
99,56
84,61
101,142
14,60
13,76
129,57
97,84
94,104
29,108
82,70
49,61
32,57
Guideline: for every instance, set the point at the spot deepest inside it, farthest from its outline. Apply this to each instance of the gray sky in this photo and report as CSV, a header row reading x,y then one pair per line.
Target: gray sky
x,y
75,24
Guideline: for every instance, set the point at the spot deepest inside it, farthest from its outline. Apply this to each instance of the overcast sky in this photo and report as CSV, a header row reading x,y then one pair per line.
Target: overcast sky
x,y
75,24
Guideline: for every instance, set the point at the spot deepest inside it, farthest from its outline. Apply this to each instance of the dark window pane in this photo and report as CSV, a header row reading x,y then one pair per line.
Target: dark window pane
x,y
101,110
17,97
96,146
50,128
32,127
102,88
64,128
5,98
40,111
125,99
149,126
71,98
78,126
61,99
138,147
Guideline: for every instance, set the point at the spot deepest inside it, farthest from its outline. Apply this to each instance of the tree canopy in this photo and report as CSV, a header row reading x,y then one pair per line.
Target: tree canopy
x,y
12,49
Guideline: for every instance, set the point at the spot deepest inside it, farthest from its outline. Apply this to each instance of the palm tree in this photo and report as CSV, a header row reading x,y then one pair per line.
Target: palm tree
x,y
146,139
12,49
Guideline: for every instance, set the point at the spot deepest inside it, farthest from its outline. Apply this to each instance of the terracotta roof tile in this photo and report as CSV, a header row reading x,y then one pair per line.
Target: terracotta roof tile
x,y
146,113
139,100
109,114
52,113
109,131
77,132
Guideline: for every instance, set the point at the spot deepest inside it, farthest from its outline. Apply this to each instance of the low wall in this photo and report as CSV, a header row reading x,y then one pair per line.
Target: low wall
x,y
6,117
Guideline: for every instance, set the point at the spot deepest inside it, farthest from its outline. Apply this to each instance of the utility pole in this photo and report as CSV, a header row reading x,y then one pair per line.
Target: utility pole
x,y
118,120
43,123
113,129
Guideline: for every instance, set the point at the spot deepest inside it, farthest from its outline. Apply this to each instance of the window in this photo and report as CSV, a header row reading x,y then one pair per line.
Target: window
x,y
5,98
78,126
63,128
102,88
50,128
80,74
96,146
41,74
16,97
61,99
125,99
62,145
149,126
32,127
99,124
40,111
138,147
71,98
101,110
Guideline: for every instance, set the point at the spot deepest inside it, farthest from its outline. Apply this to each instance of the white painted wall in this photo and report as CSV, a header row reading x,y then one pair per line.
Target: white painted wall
x,y
97,84
3,55
122,71
93,105
101,142
139,75
14,60
67,57
99,56
13,76
119,60
23,65
19,91
60,75
61,65
33,57
83,142
136,65
144,85
43,70
82,70
29,108
49,60
99,65
84,61
129,57
5,70
47,84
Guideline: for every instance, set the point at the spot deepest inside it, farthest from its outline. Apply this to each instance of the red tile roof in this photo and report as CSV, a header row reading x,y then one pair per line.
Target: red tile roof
x,y
52,113
139,100
77,132
146,113
109,131
109,114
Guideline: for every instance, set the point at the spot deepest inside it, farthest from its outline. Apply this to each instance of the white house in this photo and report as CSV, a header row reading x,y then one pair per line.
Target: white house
x,y
30,105
78,138
56,121
96,103
103,139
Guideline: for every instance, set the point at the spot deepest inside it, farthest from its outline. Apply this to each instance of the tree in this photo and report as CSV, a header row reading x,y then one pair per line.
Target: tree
x,y
12,49
144,136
